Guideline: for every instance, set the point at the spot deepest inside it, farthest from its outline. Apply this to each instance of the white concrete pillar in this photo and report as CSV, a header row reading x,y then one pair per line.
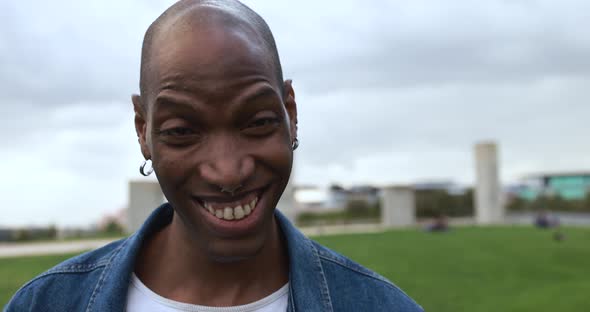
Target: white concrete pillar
x,y
398,206
144,197
488,204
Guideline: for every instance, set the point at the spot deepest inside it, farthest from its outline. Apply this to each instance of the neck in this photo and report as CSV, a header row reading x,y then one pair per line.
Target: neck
x,y
173,264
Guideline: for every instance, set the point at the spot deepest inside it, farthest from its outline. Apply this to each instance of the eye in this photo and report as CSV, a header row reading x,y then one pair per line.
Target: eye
x,y
179,136
176,132
265,121
262,125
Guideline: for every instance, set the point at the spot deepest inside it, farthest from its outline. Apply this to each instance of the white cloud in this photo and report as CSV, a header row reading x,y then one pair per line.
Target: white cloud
x,y
388,92
425,132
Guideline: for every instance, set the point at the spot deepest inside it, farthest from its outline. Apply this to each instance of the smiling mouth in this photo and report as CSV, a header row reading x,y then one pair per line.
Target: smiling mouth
x,y
231,210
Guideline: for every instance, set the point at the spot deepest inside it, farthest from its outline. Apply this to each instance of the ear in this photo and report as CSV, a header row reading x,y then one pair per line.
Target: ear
x,y
291,107
141,125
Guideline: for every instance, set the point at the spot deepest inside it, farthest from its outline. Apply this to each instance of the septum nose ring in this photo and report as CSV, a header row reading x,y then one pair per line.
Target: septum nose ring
x,y
230,190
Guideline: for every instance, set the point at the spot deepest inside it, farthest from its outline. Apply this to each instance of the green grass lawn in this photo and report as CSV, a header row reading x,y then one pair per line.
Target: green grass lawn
x,y
14,272
480,269
467,269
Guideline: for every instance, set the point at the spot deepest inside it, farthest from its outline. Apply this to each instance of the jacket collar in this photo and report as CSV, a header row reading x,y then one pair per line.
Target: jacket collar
x,y
308,289
110,293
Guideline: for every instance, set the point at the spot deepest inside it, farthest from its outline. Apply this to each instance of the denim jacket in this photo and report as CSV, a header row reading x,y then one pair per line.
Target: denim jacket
x,y
319,279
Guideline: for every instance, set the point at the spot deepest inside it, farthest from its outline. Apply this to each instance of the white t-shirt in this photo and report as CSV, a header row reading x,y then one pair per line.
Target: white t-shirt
x,y
141,298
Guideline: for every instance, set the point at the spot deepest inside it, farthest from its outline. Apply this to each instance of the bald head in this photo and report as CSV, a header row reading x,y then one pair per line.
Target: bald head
x,y
193,15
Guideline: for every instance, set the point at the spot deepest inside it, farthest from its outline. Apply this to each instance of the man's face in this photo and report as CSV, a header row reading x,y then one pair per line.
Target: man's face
x,y
215,119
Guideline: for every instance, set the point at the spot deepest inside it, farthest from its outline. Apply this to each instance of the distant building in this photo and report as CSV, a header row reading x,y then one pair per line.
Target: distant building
x,y
366,193
335,197
144,197
571,186
312,198
119,217
448,186
6,235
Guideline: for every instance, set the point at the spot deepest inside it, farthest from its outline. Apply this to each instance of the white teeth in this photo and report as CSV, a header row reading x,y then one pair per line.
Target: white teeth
x,y
239,212
236,213
228,213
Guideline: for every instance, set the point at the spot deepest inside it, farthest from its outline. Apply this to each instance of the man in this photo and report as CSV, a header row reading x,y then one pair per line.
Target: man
x,y
218,124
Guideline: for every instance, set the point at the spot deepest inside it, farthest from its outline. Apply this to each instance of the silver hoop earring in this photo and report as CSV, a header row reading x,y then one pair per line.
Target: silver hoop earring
x,y
142,168
295,144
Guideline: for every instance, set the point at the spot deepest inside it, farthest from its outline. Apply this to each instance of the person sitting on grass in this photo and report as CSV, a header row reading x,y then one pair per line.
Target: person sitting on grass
x,y
218,124
544,221
439,224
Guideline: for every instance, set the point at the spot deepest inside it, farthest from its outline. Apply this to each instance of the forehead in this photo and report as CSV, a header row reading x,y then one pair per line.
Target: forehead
x,y
208,57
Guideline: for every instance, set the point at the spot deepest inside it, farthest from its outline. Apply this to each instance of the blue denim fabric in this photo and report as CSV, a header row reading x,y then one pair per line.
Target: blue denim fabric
x,y
320,279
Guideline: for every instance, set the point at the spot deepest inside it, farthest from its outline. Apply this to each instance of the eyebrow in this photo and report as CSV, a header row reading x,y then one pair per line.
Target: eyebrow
x,y
170,100
173,102
263,92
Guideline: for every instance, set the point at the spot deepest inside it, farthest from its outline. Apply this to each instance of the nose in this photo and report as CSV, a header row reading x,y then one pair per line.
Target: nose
x,y
228,169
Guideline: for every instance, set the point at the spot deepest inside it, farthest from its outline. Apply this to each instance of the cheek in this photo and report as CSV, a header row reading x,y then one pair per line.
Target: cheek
x,y
278,155
171,169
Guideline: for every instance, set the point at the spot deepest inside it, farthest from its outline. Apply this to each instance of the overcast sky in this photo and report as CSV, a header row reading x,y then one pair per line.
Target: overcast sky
x,y
387,91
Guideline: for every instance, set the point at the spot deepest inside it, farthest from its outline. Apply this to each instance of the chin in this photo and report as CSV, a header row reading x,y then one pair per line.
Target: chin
x,y
235,251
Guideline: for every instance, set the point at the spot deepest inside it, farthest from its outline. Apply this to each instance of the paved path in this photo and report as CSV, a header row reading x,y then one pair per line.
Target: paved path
x,y
52,248
49,248
342,229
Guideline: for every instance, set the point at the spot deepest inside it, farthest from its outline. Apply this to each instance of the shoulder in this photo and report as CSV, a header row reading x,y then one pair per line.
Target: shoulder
x,y
70,281
350,284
